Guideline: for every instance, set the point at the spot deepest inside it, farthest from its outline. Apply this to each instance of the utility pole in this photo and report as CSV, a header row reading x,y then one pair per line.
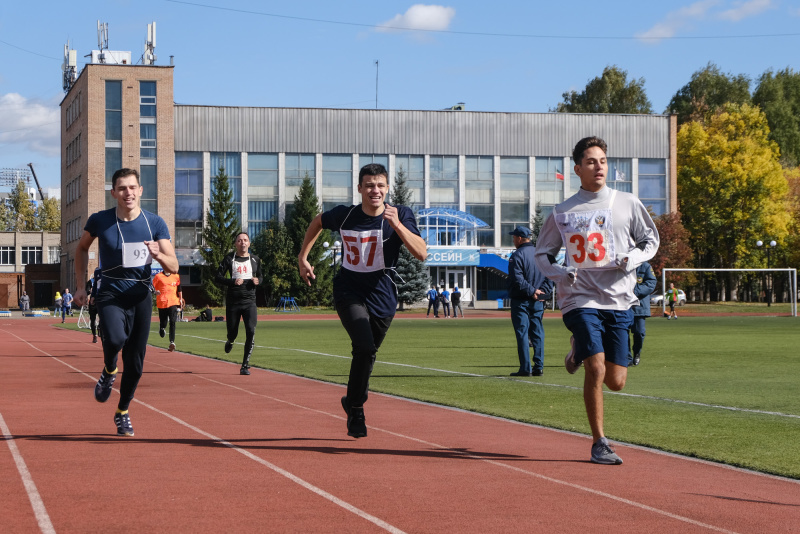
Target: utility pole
x,y
376,83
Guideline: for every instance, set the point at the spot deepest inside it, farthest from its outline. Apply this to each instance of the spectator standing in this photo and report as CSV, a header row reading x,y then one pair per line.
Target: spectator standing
x,y
66,308
455,297
445,295
672,300
645,285
433,300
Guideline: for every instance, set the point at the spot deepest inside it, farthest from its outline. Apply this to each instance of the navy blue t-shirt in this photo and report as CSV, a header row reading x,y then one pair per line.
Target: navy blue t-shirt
x,y
119,280
376,289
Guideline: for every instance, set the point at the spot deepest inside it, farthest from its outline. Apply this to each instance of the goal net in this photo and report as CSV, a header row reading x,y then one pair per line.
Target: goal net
x,y
765,303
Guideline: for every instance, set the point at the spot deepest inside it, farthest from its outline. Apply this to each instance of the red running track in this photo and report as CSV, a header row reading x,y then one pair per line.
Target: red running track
x,y
216,451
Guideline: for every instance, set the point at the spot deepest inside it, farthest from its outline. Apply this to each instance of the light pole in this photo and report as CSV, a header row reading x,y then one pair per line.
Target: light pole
x,y
337,247
768,290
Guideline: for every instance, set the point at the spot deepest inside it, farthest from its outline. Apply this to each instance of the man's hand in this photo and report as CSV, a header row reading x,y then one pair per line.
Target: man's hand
x,y
153,248
572,274
79,297
238,282
306,270
255,280
390,214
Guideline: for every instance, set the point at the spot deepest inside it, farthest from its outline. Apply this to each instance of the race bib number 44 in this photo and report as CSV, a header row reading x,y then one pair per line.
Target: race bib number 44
x,y
241,269
362,251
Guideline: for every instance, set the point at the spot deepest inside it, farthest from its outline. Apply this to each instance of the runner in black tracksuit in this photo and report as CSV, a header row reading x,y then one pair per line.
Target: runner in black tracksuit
x,y
240,272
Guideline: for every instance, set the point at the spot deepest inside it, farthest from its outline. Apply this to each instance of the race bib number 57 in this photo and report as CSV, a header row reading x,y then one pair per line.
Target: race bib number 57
x,y
362,251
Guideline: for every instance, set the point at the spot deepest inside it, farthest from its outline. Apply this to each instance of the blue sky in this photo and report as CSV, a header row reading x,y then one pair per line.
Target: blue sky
x,y
510,56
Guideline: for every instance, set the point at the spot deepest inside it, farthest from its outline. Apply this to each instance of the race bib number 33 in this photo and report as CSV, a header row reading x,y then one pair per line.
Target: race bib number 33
x,y
587,250
588,238
362,251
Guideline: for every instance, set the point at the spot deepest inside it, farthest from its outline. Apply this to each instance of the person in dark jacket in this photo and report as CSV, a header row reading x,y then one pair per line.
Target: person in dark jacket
x,y
645,285
528,289
240,272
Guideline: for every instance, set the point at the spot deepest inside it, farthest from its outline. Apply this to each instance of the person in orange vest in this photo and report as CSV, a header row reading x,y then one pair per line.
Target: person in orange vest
x,y
672,300
169,298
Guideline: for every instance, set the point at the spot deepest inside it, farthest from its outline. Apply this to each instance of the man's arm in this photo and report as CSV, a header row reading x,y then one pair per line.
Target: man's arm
x,y
258,277
548,245
81,261
648,284
222,270
312,233
413,242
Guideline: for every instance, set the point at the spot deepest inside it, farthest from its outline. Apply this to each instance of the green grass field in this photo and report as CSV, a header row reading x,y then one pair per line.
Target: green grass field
x,y
719,388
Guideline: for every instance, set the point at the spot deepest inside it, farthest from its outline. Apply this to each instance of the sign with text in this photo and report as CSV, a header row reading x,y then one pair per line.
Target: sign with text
x,y
453,256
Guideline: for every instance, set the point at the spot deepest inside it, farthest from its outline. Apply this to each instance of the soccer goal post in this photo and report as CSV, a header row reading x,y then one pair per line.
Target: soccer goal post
x,y
791,272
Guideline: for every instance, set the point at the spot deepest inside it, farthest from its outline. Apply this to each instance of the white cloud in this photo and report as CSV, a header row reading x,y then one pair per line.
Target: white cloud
x,y
420,17
677,20
743,10
33,125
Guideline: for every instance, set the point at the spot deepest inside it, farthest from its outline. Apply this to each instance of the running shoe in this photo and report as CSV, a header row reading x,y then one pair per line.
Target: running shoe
x,y
228,346
569,361
162,332
94,339
123,422
102,390
171,346
636,358
602,453
245,370
356,422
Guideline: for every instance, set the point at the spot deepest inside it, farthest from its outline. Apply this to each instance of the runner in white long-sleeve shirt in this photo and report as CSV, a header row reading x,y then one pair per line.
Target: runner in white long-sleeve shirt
x,y
607,234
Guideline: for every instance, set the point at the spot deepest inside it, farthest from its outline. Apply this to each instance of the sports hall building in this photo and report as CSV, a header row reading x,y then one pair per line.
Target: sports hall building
x,y
474,175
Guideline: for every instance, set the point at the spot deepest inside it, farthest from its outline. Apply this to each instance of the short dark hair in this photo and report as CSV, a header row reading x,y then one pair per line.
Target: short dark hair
x,y
585,144
373,169
122,173
240,233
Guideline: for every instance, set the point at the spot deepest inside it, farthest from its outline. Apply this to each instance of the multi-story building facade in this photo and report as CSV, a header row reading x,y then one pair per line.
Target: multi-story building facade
x,y
494,168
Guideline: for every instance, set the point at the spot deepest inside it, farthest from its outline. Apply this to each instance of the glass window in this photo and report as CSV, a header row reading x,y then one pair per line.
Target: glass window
x,y
262,171
54,254
148,177
188,199
484,212
512,215
31,255
514,179
260,212
444,181
337,178
413,167
262,191
113,110
366,159
653,184
549,184
147,99
147,140
479,175
620,175
298,166
231,163
8,256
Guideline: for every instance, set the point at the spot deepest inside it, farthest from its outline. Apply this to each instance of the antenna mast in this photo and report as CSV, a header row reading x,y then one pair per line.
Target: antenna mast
x,y
102,40
149,57
69,68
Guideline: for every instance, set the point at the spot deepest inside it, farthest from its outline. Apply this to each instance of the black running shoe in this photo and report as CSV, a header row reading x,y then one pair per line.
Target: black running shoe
x,y
102,390
94,339
636,358
162,332
123,422
356,422
228,346
245,370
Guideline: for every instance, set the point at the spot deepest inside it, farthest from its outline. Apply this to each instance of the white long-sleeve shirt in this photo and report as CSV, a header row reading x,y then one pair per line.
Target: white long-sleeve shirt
x,y
634,236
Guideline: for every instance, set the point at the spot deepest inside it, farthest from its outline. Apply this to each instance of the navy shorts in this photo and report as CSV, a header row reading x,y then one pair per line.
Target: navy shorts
x,y
597,331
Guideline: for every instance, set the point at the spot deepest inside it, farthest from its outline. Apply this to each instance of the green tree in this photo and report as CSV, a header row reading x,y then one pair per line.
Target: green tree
x,y
48,215
412,275
21,211
278,261
706,92
219,233
610,93
731,190
306,207
778,95
536,223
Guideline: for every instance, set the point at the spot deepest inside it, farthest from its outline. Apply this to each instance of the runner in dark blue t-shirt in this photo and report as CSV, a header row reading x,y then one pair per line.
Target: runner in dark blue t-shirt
x,y
129,240
364,291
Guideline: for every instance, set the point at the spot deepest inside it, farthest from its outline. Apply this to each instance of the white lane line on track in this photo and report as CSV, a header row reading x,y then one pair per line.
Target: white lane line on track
x,y
39,510
473,456
537,383
297,480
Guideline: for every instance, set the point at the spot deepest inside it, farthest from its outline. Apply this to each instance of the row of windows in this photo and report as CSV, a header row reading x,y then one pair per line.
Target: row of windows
x,y
73,150
73,230
29,255
73,110
73,190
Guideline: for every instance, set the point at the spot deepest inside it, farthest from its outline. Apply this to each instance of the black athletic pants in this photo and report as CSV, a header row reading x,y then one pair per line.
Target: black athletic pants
x,y
366,335
125,326
93,318
248,312
168,314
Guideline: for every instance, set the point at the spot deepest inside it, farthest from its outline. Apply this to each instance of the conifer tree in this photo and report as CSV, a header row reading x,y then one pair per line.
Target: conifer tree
x,y
219,234
412,275
306,207
278,261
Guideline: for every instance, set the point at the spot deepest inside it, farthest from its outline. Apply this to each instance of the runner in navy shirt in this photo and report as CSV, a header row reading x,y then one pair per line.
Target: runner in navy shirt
x,y
364,290
129,240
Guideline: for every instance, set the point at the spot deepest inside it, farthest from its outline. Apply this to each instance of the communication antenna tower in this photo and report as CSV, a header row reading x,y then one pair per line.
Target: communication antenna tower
x,y
149,56
102,39
69,68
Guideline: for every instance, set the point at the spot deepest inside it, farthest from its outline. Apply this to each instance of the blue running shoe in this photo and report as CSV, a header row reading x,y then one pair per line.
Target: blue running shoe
x,y
102,391
123,422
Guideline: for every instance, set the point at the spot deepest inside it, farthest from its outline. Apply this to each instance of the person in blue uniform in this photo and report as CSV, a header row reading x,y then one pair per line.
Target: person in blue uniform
x,y
129,238
364,290
645,285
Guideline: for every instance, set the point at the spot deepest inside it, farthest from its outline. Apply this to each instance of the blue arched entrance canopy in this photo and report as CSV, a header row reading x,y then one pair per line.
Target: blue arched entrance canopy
x,y
446,227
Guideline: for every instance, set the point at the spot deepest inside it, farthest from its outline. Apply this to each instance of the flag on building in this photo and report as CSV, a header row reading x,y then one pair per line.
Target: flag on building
x,y
559,176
